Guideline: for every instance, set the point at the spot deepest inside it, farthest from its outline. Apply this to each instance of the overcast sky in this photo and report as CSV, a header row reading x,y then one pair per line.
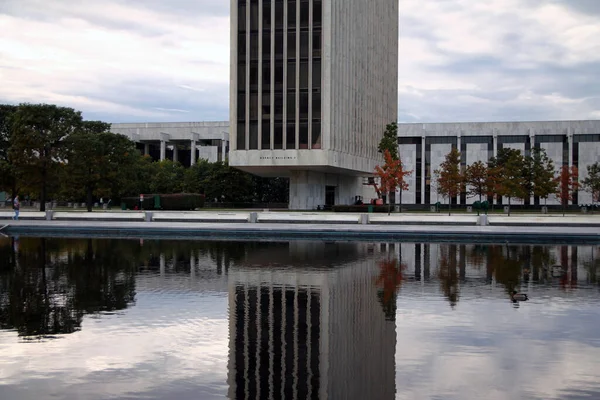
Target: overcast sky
x,y
157,60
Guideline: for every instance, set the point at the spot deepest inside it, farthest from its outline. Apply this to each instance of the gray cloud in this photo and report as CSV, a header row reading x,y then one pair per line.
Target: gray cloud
x,y
135,61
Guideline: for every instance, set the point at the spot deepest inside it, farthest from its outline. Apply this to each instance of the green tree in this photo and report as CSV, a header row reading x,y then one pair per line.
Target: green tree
x,y
8,181
510,180
167,178
228,184
98,162
591,183
38,135
197,176
451,180
389,141
542,170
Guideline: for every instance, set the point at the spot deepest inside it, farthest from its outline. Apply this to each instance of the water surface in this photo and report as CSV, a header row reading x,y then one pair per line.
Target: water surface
x,y
160,319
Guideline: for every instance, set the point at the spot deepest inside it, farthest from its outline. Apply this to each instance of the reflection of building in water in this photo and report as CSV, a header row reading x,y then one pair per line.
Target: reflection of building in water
x,y
309,333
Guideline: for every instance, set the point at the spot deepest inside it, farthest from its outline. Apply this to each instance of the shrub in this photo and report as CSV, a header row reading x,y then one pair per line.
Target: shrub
x,y
362,208
181,201
174,202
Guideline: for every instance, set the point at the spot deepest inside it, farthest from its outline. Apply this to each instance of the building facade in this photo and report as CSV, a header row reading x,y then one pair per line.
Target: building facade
x,y
423,147
313,84
185,142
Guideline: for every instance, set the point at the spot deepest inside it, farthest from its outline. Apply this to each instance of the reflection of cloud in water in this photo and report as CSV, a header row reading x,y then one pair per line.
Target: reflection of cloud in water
x,y
150,347
484,350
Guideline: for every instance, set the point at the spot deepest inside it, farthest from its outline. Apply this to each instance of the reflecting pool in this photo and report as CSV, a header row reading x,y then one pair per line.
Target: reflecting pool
x,y
175,319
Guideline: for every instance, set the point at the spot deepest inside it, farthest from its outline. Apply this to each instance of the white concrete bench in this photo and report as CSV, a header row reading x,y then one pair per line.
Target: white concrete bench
x,y
400,219
98,216
308,218
23,215
201,216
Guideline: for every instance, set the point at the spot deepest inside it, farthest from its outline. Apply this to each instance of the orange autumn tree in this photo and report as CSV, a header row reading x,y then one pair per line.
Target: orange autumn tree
x,y
451,180
391,176
568,185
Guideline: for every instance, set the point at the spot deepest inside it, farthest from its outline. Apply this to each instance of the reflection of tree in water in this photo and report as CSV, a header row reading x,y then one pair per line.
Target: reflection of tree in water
x,y
389,282
592,265
52,283
506,263
448,273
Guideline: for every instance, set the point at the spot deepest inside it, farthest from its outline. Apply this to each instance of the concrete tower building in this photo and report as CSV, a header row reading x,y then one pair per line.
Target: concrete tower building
x,y
313,84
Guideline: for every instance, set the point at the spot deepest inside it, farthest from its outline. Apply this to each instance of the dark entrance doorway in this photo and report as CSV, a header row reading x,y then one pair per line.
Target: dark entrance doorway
x,y
329,197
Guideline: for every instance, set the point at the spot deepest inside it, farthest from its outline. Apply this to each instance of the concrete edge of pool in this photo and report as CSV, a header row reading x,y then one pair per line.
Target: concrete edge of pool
x,y
220,230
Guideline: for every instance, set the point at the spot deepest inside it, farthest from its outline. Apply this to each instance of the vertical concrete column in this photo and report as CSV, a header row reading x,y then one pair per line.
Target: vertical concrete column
x,y
570,139
147,149
423,171
458,137
162,264
175,153
532,146
495,145
192,152
164,138
224,148
163,150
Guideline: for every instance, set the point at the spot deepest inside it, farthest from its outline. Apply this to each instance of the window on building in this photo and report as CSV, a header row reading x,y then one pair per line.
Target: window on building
x,y
254,15
304,14
291,45
241,78
291,105
278,45
241,106
290,136
291,75
242,18
278,137
317,13
316,134
316,44
278,106
291,13
254,75
279,15
304,45
253,106
241,135
265,140
278,75
241,47
253,144
266,105
254,46
303,138
266,15
303,106
266,45
303,75
316,105
266,75
316,74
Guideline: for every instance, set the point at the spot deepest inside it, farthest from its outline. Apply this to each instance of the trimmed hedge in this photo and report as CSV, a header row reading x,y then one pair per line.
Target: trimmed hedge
x,y
362,208
173,202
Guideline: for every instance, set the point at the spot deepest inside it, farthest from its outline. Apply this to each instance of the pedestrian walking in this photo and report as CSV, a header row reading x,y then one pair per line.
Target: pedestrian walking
x,y
16,207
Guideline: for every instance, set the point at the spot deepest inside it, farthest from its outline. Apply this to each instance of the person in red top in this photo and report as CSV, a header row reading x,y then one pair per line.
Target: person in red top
x,y
16,207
